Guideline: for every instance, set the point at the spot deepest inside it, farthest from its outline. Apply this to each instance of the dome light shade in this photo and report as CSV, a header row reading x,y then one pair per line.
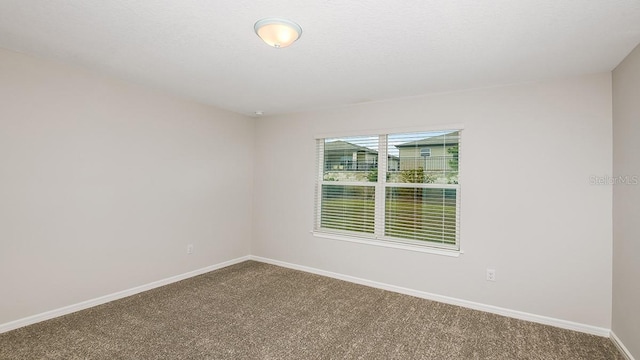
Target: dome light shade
x,y
278,33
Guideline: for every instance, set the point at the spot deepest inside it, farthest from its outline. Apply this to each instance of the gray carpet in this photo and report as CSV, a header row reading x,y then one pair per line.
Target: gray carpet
x,y
258,311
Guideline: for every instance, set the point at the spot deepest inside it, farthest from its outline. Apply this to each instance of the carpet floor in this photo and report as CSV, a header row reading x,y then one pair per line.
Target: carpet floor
x,y
258,311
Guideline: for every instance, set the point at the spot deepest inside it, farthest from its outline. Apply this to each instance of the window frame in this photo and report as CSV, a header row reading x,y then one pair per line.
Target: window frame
x,y
378,238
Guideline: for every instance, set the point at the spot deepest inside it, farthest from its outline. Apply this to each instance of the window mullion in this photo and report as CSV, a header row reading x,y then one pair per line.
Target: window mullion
x,y
380,186
319,180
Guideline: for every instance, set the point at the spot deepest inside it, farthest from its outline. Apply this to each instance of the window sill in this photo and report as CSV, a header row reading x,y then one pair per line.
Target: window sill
x,y
389,244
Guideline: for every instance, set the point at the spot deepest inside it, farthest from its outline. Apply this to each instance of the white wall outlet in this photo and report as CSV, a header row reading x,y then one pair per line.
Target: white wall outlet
x,y
190,249
491,275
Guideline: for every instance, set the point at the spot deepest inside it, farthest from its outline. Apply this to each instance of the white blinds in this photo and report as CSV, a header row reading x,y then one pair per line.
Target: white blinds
x,y
421,194
424,214
350,208
347,174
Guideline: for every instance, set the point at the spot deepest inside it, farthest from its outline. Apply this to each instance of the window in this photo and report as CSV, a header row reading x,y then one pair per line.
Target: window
x,y
392,191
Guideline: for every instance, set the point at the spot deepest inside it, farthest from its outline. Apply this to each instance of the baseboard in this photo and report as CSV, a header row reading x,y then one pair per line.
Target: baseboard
x,y
564,324
623,349
111,297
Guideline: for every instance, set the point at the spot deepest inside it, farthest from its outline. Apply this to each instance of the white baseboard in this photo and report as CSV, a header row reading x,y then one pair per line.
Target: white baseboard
x,y
564,324
111,297
618,343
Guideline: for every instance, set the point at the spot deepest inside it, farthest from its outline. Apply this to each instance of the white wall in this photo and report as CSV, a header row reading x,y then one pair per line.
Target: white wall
x,y
103,184
528,208
626,203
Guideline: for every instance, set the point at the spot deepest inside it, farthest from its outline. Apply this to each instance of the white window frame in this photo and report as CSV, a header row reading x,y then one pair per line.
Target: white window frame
x,y
378,238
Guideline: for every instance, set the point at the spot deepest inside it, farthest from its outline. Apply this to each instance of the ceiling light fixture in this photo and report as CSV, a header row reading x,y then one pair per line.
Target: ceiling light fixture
x,y
278,33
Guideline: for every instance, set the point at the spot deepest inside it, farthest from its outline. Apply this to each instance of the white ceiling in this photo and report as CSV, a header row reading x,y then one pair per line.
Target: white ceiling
x,y
349,52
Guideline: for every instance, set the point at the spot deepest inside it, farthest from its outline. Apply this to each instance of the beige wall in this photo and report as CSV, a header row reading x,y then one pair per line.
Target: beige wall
x,y
103,184
626,203
545,229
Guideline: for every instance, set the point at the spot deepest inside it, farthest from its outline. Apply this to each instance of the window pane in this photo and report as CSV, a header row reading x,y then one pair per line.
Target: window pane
x,y
426,157
425,214
351,159
350,208
417,199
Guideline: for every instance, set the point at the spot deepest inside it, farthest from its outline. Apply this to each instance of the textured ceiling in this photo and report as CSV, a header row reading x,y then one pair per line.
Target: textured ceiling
x,y
349,52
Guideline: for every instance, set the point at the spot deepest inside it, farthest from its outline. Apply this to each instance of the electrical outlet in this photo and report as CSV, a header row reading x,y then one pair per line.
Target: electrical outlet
x,y
190,249
491,275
